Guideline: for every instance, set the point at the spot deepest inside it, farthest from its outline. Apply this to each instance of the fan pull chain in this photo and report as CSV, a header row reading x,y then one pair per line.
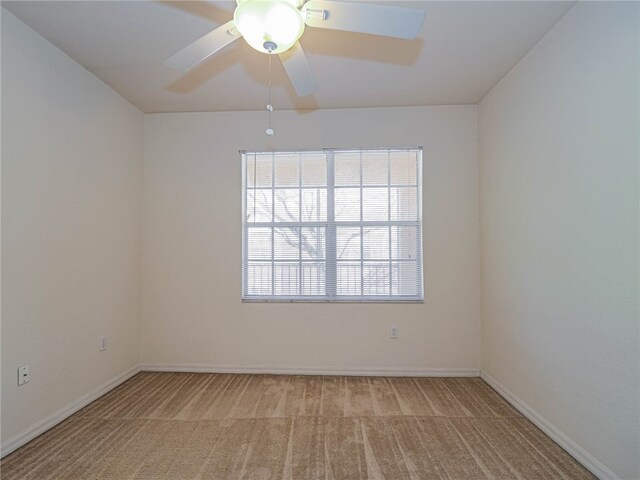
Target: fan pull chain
x,y
269,130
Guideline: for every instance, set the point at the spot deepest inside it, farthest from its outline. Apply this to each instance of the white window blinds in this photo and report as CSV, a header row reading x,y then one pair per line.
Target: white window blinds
x,y
332,225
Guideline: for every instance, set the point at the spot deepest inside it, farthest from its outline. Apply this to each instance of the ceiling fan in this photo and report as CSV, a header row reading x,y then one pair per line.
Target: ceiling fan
x,y
274,26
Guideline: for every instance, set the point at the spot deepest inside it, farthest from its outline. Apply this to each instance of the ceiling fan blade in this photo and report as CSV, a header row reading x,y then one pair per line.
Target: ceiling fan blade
x,y
204,47
364,18
295,63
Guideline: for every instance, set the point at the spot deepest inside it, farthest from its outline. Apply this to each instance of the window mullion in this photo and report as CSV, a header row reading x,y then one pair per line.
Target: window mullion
x,y
389,220
245,263
273,218
419,252
331,267
300,278
361,230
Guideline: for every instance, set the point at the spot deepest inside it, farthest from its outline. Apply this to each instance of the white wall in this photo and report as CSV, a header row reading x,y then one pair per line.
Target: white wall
x,y
192,313
559,183
71,201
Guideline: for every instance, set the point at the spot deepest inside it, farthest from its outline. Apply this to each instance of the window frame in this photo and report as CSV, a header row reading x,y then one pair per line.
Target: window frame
x,y
331,225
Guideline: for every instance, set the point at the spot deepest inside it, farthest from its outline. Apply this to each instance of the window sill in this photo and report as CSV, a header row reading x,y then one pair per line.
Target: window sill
x,y
327,300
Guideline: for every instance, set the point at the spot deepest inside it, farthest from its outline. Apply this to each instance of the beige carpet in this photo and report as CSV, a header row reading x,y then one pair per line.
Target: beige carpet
x,y
206,426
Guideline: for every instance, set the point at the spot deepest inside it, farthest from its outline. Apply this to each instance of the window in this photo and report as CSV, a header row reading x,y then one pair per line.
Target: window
x,y
332,225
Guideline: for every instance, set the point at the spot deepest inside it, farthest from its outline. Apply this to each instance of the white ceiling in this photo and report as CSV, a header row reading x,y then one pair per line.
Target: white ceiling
x,y
464,49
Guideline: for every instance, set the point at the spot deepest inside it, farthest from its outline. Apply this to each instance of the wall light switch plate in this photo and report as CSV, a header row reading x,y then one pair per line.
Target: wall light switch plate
x,y
23,374
104,343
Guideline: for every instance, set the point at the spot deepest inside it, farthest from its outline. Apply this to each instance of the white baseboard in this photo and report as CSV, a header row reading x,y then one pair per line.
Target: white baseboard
x,y
52,420
285,370
575,450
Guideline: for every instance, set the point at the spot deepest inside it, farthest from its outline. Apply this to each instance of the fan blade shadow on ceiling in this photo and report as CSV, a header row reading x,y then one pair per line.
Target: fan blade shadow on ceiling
x,y
255,65
378,49
361,46
217,14
205,71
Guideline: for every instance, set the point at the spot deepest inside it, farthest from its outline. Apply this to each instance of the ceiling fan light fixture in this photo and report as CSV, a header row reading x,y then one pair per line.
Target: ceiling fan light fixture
x,y
276,22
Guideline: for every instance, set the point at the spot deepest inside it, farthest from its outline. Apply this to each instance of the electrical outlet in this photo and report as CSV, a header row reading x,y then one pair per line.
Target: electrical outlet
x,y
394,332
104,343
23,374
